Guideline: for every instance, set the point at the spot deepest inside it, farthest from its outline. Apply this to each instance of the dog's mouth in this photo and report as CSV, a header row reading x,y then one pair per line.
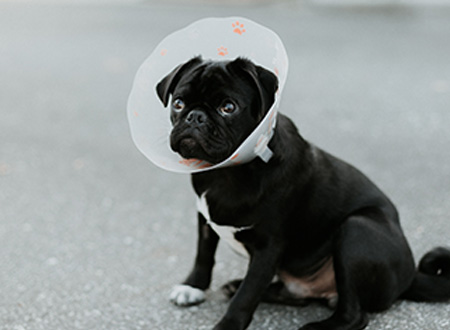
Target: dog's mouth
x,y
188,147
192,144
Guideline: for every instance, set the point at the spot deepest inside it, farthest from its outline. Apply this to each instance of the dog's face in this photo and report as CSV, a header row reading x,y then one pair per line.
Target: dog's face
x,y
215,105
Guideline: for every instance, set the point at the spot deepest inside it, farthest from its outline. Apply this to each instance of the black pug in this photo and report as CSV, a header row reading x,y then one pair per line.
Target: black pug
x,y
314,227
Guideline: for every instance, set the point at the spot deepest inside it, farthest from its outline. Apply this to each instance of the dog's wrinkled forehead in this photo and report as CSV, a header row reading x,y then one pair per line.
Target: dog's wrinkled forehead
x,y
202,76
211,79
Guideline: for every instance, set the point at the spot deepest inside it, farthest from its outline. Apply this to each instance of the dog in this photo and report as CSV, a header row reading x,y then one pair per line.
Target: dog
x,y
314,227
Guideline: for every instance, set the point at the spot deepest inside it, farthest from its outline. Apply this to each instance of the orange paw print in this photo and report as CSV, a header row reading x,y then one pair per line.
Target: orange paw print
x,y
222,51
238,28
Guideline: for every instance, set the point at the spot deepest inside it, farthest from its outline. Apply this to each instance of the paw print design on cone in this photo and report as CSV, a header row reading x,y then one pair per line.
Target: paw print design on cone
x,y
222,51
239,28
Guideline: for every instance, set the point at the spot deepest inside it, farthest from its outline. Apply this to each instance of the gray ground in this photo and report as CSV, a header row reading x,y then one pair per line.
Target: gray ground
x,y
93,236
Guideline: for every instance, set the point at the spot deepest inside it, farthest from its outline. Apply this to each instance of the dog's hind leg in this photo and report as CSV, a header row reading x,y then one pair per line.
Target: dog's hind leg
x,y
373,266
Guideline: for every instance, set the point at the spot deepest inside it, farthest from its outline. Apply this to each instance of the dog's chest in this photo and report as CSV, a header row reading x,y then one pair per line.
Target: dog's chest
x,y
225,233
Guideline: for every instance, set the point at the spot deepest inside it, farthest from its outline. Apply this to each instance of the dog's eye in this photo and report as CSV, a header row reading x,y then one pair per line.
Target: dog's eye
x,y
227,108
178,105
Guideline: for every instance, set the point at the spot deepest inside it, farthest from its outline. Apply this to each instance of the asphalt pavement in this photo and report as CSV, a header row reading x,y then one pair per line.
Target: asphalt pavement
x,y
93,236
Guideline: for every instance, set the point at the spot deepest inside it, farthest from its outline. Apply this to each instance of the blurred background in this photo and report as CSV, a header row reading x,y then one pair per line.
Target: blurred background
x,y
93,236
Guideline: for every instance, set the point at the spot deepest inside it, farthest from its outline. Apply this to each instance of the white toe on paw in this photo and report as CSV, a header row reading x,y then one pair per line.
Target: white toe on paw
x,y
185,295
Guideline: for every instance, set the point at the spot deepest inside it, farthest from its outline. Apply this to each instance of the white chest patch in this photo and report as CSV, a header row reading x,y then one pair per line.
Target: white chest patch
x,y
225,233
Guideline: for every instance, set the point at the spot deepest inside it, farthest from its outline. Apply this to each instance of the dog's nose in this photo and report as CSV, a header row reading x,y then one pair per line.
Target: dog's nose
x,y
196,117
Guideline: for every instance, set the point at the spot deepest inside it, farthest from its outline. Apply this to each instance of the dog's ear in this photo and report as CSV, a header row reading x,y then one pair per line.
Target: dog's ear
x,y
167,85
266,82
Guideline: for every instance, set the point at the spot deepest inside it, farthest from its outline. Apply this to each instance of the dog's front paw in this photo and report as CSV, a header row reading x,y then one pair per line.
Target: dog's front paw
x,y
185,295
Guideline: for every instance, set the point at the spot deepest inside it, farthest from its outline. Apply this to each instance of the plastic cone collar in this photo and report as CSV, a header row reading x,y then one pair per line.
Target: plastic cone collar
x,y
213,39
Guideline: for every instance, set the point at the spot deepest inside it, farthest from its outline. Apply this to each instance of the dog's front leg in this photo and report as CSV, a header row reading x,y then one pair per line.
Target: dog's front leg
x,y
191,292
262,269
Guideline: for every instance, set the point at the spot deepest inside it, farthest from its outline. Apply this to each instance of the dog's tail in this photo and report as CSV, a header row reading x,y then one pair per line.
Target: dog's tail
x,y
432,280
